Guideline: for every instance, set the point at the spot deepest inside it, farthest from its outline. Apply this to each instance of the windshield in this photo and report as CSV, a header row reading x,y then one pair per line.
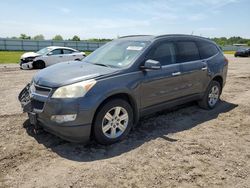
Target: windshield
x,y
119,53
43,51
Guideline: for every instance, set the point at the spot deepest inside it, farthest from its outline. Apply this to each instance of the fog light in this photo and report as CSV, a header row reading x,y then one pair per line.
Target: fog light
x,y
63,118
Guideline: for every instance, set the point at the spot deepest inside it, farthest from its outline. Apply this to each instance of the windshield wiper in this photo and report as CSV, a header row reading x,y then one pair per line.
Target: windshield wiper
x,y
104,65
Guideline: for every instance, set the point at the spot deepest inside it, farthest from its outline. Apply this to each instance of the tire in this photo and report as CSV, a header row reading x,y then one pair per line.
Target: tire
x,y
38,64
213,92
110,128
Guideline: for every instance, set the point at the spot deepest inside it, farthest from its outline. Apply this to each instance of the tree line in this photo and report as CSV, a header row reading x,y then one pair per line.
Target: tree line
x,y
58,38
222,41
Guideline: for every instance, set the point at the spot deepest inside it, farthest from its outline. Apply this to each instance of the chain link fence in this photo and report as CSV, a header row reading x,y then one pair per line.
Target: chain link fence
x,y
35,45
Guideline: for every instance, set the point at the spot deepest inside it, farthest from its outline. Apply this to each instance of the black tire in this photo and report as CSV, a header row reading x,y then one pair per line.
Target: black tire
x,y
38,64
204,103
98,133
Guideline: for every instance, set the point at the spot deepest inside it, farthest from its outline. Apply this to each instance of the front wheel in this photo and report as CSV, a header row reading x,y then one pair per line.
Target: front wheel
x,y
39,64
113,121
212,96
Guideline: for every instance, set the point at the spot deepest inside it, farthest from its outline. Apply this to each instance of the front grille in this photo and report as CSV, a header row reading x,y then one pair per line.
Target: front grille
x,y
38,105
40,90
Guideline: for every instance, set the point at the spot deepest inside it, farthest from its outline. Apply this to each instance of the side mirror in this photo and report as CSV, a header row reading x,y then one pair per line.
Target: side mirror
x,y
151,65
50,53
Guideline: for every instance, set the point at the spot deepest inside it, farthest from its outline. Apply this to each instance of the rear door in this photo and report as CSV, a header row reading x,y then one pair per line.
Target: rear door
x,y
161,85
55,56
69,55
193,69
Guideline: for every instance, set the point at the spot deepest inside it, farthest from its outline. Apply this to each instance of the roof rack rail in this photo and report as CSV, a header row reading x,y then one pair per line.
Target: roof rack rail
x,y
159,36
133,36
181,35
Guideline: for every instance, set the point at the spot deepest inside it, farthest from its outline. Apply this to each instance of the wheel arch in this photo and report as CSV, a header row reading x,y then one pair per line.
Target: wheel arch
x,y
219,79
121,95
37,61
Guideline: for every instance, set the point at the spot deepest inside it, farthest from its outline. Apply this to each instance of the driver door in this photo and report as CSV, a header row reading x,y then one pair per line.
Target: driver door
x,y
159,86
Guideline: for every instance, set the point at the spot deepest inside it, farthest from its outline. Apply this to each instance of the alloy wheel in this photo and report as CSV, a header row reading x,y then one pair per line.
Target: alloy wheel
x,y
115,122
213,96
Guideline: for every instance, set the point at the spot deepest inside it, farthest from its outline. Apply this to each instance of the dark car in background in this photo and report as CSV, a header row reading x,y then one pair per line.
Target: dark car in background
x,y
106,94
242,53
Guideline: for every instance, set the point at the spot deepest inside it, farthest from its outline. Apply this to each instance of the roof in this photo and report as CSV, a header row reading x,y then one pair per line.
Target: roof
x,y
55,47
152,37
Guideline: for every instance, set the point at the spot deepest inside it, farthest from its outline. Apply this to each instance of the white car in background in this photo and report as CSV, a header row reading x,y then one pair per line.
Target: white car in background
x,y
49,56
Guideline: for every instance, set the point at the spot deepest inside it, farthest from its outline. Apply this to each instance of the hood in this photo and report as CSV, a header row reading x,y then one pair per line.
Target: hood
x,y
29,54
70,72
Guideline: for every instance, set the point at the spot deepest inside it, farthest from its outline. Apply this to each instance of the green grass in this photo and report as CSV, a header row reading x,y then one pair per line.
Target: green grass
x,y
10,56
229,52
87,52
14,56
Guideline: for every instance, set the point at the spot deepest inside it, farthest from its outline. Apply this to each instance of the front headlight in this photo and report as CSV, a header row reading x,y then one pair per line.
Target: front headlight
x,y
74,90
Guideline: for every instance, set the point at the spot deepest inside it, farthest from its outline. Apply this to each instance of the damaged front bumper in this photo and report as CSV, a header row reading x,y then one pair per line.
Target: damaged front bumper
x,y
26,65
41,108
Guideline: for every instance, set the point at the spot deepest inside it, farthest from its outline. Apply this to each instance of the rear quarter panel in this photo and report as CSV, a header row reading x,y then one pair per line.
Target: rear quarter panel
x,y
217,66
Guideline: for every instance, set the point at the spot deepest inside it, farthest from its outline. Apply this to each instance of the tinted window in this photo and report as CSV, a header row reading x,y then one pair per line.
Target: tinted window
x,y
56,52
66,51
187,51
164,53
207,49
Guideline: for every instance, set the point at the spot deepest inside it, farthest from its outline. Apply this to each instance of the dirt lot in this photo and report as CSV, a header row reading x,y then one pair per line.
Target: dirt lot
x,y
187,147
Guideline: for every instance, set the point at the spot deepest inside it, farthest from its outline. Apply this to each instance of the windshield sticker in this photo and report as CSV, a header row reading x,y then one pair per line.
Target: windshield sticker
x,y
136,48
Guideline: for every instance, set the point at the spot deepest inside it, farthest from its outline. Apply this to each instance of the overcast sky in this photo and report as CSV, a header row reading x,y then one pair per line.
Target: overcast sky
x,y
112,18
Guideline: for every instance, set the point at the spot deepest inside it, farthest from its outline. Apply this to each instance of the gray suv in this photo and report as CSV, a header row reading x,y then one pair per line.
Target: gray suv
x,y
105,94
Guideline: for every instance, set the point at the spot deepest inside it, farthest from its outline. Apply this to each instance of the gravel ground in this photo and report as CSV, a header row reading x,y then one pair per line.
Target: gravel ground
x,y
185,147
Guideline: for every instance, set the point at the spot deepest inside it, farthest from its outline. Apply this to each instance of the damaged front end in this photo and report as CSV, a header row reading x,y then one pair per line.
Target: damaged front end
x,y
24,98
27,63
26,103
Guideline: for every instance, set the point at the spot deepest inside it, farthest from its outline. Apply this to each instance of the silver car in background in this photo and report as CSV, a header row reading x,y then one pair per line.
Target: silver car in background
x,y
49,56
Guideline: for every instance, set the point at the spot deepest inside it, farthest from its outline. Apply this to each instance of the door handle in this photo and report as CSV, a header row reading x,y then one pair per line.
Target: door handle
x,y
204,68
176,73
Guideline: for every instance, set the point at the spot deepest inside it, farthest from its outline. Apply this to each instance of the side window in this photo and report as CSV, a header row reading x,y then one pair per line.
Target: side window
x,y
66,51
164,53
56,52
186,51
207,49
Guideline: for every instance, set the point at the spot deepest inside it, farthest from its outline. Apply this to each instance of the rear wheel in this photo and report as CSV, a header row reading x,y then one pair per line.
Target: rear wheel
x,y
113,121
38,65
212,96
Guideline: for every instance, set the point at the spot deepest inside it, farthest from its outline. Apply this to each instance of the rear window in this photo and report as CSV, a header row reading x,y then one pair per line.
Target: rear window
x,y
207,49
67,51
56,52
186,51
